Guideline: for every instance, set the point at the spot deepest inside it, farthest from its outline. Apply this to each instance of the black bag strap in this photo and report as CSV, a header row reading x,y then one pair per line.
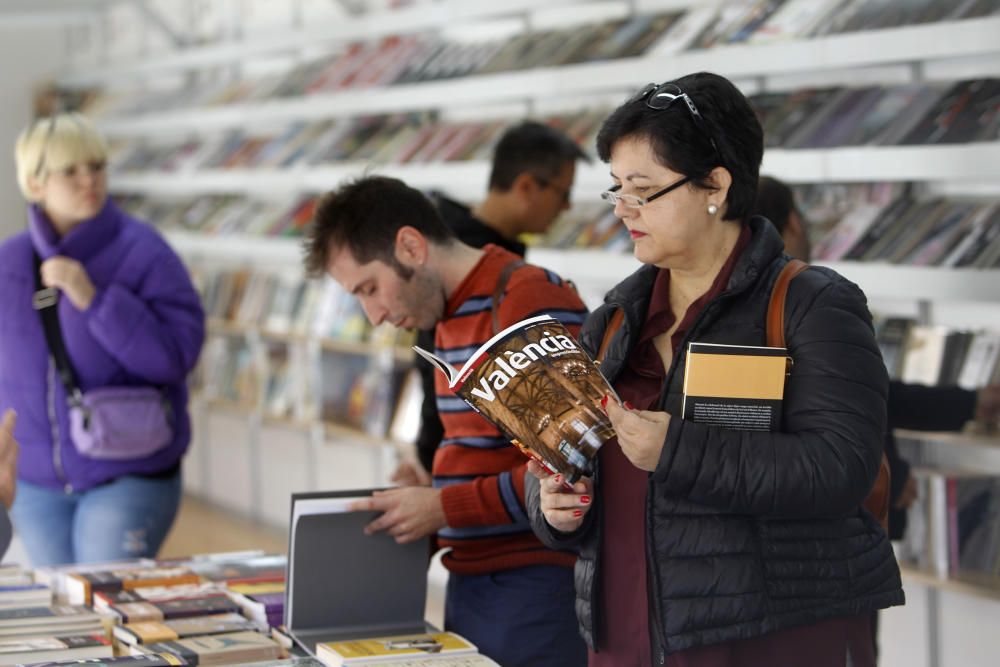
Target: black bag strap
x,y
500,288
46,301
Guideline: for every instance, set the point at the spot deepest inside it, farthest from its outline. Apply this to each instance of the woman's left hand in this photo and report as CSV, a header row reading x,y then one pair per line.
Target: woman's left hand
x,y
640,433
69,276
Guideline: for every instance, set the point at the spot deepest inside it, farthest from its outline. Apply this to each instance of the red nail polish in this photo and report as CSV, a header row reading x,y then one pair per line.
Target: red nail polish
x,y
585,500
629,406
558,479
604,401
578,513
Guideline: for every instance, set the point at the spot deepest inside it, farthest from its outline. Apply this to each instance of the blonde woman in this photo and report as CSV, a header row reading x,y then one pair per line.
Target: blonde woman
x,y
129,320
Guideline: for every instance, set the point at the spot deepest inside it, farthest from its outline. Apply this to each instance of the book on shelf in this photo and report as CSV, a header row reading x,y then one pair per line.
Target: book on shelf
x,y
143,660
735,386
150,632
227,649
386,649
81,586
47,621
30,650
343,584
139,609
57,577
103,600
263,603
25,595
537,385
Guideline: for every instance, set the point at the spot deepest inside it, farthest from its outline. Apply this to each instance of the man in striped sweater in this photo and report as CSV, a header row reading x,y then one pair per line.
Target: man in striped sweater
x,y
385,243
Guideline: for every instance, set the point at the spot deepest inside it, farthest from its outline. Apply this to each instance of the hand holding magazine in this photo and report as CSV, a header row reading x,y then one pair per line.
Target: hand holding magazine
x,y
534,382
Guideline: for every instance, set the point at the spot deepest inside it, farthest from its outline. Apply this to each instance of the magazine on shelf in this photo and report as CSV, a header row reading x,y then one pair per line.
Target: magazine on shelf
x,y
537,385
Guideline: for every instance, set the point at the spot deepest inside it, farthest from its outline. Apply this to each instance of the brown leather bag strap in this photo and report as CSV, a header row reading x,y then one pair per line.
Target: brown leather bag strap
x,y
776,307
500,288
614,324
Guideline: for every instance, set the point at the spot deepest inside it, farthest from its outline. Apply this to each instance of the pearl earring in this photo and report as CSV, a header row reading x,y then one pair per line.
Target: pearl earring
x,y
712,209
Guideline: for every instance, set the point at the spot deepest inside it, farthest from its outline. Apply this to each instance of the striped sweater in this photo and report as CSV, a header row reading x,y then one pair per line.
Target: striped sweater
x,y
480,473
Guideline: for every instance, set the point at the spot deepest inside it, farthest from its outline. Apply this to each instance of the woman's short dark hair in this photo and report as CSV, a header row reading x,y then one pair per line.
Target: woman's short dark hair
x,y
685,146
364,216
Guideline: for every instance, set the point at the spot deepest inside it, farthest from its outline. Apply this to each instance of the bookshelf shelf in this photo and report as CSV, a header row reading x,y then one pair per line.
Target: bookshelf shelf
x,y
921,43
948,438
920,282
340,431
966,163
368,26
986,587
237,248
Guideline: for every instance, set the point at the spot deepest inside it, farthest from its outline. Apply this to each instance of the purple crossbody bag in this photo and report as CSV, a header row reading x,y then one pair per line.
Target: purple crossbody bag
x,y
112,423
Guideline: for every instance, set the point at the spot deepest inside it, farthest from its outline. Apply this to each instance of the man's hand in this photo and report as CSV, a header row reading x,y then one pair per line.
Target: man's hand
x,y
8,458
408,514
640,432
409,473
563,507
69,276
988,404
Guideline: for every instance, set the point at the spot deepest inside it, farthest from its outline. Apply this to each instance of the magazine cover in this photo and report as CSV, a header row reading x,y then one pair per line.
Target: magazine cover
x,y
534,382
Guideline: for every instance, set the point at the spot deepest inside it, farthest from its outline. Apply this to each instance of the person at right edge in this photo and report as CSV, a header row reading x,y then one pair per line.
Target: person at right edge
x,y
911,406
702,546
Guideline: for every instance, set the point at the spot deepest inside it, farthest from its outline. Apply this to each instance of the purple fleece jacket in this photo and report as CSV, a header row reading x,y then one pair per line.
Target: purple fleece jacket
x,y
144,327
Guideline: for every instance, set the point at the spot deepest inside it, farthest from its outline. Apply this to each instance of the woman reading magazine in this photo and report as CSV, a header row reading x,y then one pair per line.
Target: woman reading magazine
x,y
701,544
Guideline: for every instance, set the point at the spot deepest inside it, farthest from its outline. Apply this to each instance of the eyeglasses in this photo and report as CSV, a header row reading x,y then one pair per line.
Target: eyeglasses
x,y
660,96
546,183
634,201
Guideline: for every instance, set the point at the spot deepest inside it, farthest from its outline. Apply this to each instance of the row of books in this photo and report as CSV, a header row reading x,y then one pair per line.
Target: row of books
x,y
415,58
898,227
224,214
212,609
953,527
391,139
249,361
761,21
412,59
936,355
911,114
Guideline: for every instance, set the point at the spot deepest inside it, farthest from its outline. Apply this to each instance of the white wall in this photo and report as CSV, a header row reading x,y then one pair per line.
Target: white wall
x,y
29,54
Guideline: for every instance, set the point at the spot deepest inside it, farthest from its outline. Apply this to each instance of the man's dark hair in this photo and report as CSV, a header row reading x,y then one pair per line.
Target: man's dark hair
x,y
775,201
365,216
684,146
533,148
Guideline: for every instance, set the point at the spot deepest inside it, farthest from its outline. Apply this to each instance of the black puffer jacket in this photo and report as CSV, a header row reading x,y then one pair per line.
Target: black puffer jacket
x,y
751,532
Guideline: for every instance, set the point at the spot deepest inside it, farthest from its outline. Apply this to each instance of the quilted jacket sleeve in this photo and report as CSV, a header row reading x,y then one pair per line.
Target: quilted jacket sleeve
x,y
825,462
155,330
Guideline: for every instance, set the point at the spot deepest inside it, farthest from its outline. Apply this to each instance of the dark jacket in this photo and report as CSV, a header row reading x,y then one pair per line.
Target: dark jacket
x,y
145,327
752,532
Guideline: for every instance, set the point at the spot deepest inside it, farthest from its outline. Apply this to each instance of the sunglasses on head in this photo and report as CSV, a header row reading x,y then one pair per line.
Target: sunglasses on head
x,y
659,96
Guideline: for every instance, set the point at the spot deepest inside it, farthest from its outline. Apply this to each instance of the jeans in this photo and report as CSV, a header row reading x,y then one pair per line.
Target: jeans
x,y
128,517
521,618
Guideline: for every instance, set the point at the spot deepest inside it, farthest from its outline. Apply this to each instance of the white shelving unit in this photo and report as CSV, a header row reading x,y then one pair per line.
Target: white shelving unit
x,y
910,44
292,456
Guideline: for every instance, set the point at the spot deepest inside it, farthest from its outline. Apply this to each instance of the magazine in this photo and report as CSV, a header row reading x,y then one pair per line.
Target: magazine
x,y
537,385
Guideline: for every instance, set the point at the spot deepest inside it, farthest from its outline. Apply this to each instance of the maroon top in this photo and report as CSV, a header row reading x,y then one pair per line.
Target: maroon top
x,y
623,617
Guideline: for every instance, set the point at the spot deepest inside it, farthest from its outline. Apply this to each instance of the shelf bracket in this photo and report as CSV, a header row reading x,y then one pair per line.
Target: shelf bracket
x,y
155,18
